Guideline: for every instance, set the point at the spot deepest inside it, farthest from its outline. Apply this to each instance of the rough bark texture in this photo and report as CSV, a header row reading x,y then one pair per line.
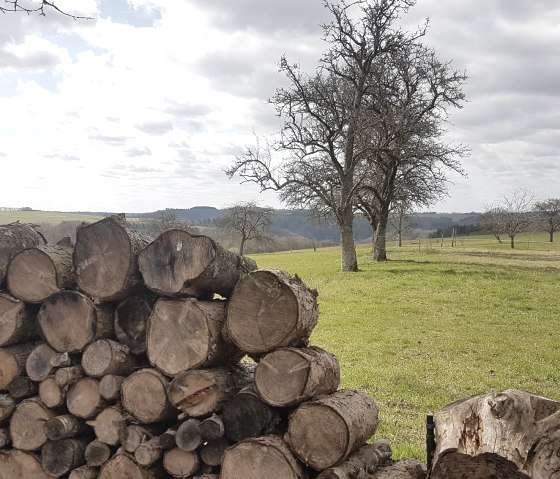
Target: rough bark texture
x,y
17,321
405,469
325,431
121,466
108,424
270,309
12,362
36,273
179,463
363,461
106,356
180,264
60,457
14,238
83,398
69,321
269,456
349,261
27,425
289,376
201,392
511,434
131,319
16,464
106,258
187,334
63,427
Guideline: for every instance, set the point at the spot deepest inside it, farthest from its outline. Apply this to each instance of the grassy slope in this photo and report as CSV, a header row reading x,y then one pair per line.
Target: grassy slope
x,y
43,217
436,324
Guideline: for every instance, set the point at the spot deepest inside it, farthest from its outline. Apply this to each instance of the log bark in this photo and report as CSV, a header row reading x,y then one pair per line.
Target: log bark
x,y
247,415
188,436
17,464
179,463
403,469
69,321
83,398
107,425
106,356
289,376
63,427
131,319
204,391
106,259
12,362
84,472
180,264
7,407
212,452
270,309
60,457
510,434
144,396
97,453
363,461
17,321
269,457
39,363
36,273
121,466
187,334
110,387
27,425
51,394
15,237
325,431
22,388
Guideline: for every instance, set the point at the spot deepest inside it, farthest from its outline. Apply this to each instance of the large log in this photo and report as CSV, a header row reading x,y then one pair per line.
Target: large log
x,y
121,466
106,356
131,319
511,434
12,362
325,431
17,464
263,457
27,425
36,273
14,238
289,376
405,469
179,463
187,334
203,391
83,398
180,264
60,457
17,320
106,258
69,321
270,309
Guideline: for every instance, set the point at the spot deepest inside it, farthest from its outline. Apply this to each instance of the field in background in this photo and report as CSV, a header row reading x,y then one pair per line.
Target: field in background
x,y
436,324
44,217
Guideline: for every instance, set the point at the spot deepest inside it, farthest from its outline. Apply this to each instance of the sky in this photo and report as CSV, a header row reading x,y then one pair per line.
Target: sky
x,y
143,107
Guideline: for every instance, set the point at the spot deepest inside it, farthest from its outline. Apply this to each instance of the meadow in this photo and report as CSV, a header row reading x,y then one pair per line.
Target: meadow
x,y
437,323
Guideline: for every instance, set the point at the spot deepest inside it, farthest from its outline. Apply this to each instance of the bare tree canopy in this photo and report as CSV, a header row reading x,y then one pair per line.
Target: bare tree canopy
x,y
548,216
40,8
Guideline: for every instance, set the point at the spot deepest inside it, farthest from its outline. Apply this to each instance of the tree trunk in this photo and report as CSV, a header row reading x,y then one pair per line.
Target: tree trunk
x,y
131,318
187,334
17,321
36,273
107,425
16,464
349,260
404,469
270,309
69,321
106,259
60,457
179,463
204,391
511,242
144,395
27,424
242,245
380,241
325,431
121,466
180,264
188,436
510,434
263,457
12,362
63,427
97,453
106,356
289,376
212,452
83,399
51,394
14,238
110,387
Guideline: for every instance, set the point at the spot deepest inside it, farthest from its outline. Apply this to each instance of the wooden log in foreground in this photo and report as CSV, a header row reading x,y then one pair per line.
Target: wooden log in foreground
x,y
325,431
178,264
27,425
270,309
121,466
17,320
405,469
60,457
17,464
179,463
511,434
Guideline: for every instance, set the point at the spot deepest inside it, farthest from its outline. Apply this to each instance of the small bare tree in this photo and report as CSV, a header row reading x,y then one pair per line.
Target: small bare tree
x,y
548,216
26,6
166,220
249,221
400,217
491,220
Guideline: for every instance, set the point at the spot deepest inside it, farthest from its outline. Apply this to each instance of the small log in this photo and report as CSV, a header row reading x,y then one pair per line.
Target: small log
x,y
133,435
84,472
364,461
144,395
106,259
51,394
38,365
167,439
17,321
187,334
68,376
212,427
69,321
179,463
149,451
268,456
270,309
107,425
131,319
404,469
17,464
325,431
60,457
63,427
188,436
5,439
106,356
121,466
110,387
83,398
15,237
97,453
247,415
212,452
22,388
12,362
177,264
7,407
27,426
36,273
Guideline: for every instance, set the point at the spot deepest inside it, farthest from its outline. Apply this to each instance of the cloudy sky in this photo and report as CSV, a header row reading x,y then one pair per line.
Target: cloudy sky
x,y
143,107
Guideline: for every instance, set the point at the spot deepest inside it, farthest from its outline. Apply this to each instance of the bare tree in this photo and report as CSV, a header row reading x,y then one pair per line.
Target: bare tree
x,y
247,220
165,220
25,6
548,216
400,217
491,220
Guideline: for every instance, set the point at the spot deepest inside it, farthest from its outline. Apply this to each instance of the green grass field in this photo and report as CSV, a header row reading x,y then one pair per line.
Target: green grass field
x,y
44,217
436,324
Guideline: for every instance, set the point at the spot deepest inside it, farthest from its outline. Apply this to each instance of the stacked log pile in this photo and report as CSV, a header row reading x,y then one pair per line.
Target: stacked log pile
x,y
123,357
